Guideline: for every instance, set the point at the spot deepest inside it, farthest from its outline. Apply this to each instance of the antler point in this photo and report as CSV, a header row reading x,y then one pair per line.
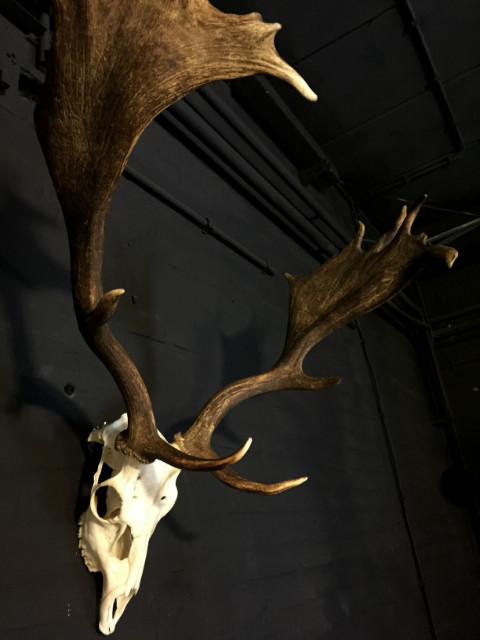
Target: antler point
x,y
240,453
360,233
450,256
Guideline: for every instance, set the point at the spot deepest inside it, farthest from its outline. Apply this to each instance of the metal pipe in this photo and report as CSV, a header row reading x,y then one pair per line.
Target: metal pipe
x,y
243,174
44,40
16,13
223,109
445,415
412,23
456,232
415,173
203,223
390,449
443,319
454,330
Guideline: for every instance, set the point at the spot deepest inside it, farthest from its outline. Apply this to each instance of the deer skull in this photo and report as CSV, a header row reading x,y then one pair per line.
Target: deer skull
x,y
113,67
122,515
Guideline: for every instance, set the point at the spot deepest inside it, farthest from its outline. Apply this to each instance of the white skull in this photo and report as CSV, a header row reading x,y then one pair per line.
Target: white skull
x,y
131,503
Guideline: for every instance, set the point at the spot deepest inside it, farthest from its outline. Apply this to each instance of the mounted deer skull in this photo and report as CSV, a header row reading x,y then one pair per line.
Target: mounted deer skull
x,y
114,65
122,515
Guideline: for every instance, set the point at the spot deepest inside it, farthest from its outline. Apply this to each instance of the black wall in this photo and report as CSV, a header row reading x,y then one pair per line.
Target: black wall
x,y
367,549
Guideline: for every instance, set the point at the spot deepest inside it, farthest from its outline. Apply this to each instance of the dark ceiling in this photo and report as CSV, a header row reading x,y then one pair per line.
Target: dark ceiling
x,y
398,111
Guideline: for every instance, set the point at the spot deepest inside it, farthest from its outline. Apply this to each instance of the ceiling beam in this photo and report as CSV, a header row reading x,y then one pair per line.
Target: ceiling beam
x,y
435,84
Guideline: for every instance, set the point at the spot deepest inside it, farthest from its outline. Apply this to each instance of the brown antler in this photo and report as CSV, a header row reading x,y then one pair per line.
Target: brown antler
x,y
114,65
346,287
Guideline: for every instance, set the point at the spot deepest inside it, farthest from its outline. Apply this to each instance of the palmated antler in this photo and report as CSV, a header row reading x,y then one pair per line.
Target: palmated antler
x,y
346,287
113,67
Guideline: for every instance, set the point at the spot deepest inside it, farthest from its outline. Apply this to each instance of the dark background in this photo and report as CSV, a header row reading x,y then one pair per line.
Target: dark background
x,y
251,182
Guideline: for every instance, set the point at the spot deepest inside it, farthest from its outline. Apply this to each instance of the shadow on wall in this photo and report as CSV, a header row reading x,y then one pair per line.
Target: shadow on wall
x,y
239,357
324,538
31,274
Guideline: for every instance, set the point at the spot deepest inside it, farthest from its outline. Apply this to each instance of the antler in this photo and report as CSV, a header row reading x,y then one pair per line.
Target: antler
x,y
114,65
346,287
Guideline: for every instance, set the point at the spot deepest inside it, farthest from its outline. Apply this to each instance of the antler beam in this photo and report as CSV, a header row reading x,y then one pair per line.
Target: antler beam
x,y
113,67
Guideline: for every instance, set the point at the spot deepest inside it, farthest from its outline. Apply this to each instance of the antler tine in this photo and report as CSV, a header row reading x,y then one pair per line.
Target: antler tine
x,y
346,287
387,237
236,481
406,219
197,439
414,211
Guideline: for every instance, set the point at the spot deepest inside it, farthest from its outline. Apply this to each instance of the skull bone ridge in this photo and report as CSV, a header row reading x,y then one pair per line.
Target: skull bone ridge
x,y
122,515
